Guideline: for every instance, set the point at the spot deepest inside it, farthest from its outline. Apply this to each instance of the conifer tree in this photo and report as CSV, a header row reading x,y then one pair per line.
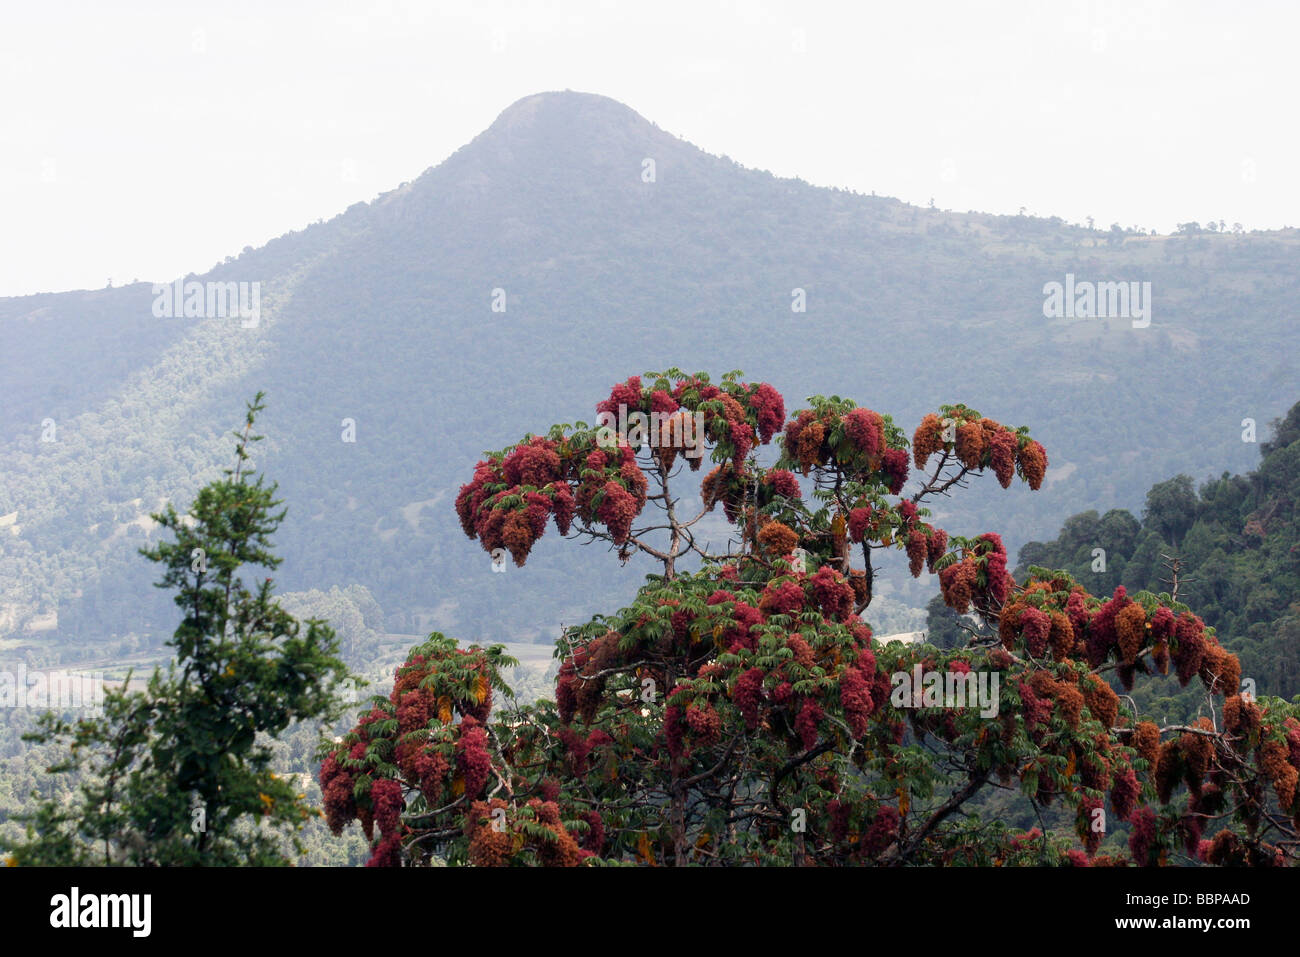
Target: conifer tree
x,y
179,773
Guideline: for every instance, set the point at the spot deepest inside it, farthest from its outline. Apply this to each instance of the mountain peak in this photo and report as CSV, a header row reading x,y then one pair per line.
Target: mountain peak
x,y
542,110
562,139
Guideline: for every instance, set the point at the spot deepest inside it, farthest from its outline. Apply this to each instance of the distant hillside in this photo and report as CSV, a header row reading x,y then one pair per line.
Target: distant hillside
x,y
383,315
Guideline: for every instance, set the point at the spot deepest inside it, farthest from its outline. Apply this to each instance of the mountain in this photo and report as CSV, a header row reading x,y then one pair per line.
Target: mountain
x,y
383,315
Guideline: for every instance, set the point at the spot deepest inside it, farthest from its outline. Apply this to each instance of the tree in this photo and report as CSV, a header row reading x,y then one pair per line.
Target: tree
x,y
179,773
1171,508
945,629
738,710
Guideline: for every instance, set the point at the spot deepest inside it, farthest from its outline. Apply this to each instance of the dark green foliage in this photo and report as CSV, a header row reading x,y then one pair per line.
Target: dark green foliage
x,y
948,630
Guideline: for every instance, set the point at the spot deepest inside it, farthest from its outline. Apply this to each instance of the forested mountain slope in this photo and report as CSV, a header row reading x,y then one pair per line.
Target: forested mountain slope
x,y
383,315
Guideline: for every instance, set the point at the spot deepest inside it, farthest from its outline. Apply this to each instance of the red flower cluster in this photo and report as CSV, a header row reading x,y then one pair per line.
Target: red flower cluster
x,y
1142,839
617,509
806,723
866,430
386,797
882,832
860,523
1002,455
893,466
1034,626
918,547
958,583
704,722
472,759
999,579
336,787
627,394
535,463
1189,646
1124,793
512,495
833,593
747,694
702,390
782,598
855,696
782,482
577,689
769,408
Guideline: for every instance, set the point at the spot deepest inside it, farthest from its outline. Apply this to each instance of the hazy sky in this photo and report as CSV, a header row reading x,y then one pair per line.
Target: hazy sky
x,y
147,140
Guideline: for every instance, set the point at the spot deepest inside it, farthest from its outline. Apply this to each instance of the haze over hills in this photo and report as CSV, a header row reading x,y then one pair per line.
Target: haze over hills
x,y
383,315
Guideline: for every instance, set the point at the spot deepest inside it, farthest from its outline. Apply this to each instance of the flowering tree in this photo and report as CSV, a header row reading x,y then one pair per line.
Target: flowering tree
x,y
739,711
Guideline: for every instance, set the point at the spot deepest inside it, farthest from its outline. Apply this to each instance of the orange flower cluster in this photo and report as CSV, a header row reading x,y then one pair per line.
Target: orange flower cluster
x,y
1146,741
927,439
981,443
1121,628
778,539
1220,669
489,846
805,440
1101,700
1241,717
1065,694
1031,463
958,582
1130,627
729,485
493,845
1198,752
1273,761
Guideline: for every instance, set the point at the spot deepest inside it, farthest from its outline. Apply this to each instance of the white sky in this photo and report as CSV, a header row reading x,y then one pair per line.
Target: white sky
x,y
145,140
